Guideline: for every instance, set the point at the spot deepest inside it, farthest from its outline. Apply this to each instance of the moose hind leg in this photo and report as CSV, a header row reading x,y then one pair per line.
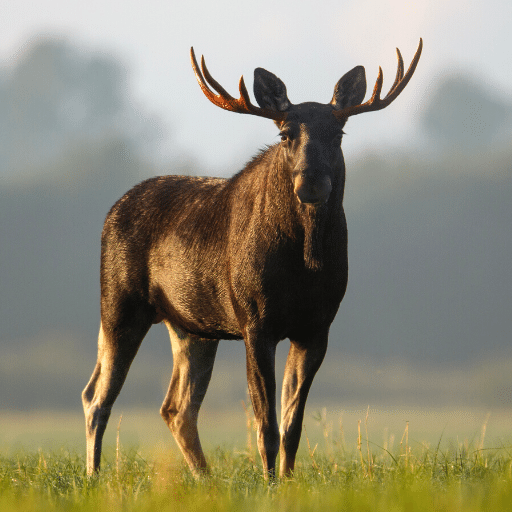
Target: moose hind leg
x,y
193,359
115,355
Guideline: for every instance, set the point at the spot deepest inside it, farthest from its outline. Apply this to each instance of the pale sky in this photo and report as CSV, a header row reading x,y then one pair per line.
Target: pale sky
x,y
309,45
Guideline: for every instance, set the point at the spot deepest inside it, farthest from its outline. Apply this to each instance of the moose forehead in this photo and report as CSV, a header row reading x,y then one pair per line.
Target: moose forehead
x,y
312,118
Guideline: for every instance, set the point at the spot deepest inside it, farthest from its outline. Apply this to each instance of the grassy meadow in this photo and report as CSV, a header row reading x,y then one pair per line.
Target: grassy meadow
x,y
360,461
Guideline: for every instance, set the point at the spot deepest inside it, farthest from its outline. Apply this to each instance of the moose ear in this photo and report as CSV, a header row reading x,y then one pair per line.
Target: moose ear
x,y
350,89
270,91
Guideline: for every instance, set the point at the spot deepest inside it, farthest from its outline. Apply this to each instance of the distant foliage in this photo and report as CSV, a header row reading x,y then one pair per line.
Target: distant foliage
x,y
465,114
55,95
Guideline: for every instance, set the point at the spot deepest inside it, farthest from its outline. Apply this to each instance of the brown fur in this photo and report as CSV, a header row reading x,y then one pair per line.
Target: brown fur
x,y
261,256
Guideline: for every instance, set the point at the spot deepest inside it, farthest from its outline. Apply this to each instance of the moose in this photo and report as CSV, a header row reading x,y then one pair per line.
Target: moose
x,y
258,257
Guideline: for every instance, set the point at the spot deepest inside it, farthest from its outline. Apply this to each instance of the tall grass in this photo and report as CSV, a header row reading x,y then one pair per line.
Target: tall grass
x,y
392,476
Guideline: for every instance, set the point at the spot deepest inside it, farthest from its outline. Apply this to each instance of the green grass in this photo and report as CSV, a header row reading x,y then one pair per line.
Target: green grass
x,y
448,476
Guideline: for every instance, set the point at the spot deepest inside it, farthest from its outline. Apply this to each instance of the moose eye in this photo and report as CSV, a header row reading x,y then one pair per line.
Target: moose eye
x,y
286,135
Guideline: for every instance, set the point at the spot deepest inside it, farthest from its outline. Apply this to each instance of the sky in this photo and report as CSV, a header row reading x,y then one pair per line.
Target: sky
x,y
309,45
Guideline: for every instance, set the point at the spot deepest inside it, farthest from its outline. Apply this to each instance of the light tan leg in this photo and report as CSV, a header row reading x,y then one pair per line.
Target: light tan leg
x,y
302,364
114,359
193,360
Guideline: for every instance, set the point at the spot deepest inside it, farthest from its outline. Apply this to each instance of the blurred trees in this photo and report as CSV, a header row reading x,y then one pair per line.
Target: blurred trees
x,y
465,115
430,241
71,143
55,97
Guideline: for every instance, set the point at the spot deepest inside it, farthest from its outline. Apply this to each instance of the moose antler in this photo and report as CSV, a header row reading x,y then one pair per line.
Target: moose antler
x,y
375,102
224,100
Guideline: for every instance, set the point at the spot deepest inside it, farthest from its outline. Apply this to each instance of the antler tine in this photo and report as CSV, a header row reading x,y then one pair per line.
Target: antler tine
x,y
399,70
204,87
375,102
223,99
209,78
245,96
396,90
377,88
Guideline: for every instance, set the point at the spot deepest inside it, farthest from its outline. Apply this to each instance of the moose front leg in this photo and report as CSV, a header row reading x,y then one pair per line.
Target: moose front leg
x,y
261,379
301,366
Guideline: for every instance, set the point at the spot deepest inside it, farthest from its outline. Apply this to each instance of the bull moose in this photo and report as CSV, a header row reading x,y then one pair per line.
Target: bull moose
x,y
261,256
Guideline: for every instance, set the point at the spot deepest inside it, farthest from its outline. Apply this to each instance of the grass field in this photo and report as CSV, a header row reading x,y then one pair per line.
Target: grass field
x,y
339,468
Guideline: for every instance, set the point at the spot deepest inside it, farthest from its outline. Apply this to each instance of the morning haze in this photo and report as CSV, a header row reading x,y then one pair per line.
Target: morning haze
x,y
426,319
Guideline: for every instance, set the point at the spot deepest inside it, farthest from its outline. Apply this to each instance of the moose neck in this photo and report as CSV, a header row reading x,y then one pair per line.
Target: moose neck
x,y
303,223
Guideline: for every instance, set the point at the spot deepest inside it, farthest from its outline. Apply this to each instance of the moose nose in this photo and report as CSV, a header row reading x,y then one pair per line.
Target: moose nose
x,y
312,191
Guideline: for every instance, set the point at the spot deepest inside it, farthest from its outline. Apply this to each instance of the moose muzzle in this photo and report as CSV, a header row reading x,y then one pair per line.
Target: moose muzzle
x,y
311,190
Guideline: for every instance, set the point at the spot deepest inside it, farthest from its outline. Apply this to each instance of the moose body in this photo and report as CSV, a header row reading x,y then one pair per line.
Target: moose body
x,y
261,256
